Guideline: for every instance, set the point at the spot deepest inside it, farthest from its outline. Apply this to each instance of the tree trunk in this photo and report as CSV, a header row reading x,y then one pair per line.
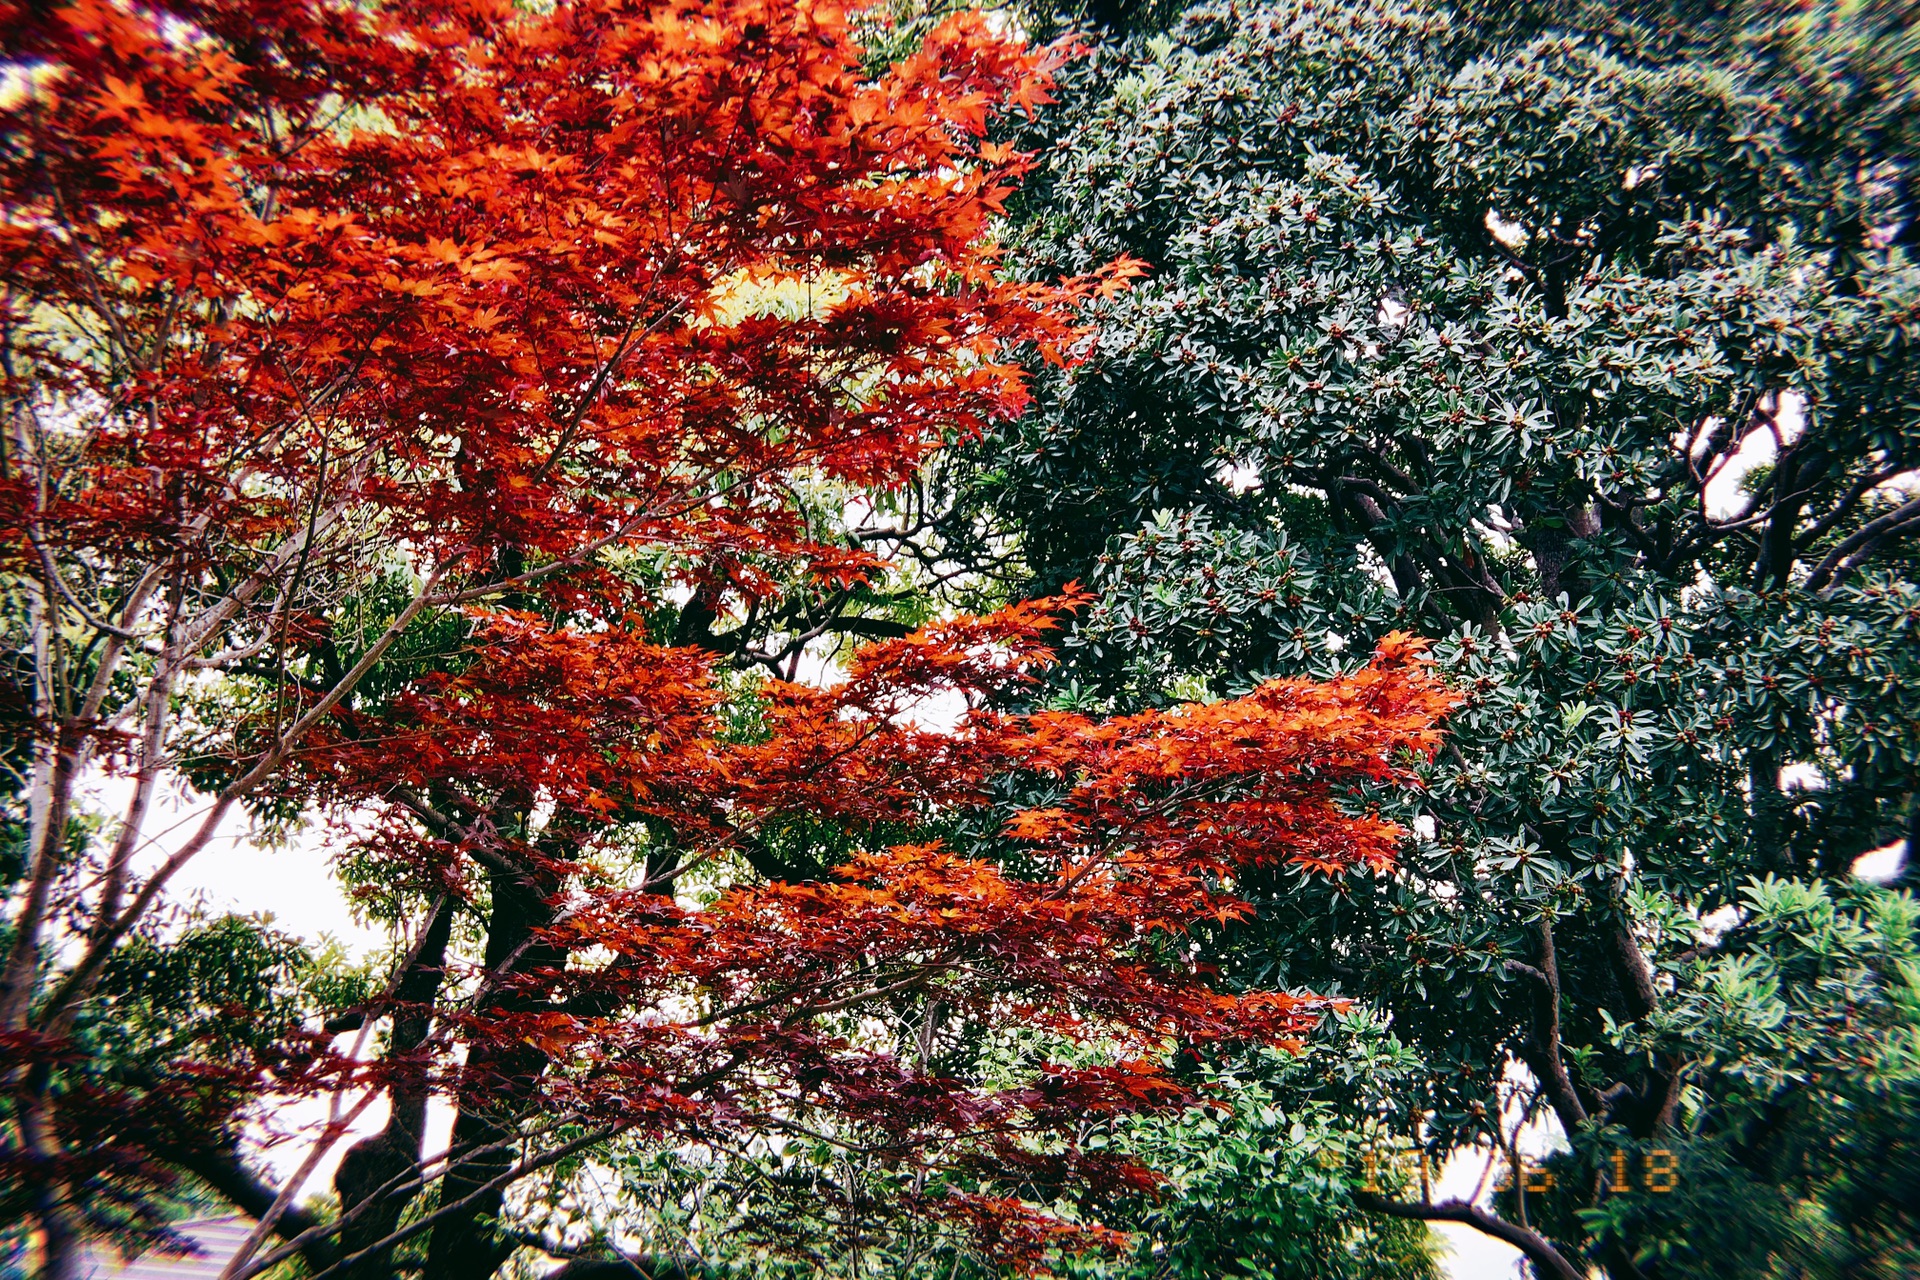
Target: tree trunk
x,y
498,1083
59,1227
374,1168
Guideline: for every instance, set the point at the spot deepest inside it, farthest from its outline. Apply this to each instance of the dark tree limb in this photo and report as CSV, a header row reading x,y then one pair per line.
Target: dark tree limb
x,y
1775,561
387,1156
1844,504
222,1169
1547,1034
1854,550
1634,968
497,1084
1547,1260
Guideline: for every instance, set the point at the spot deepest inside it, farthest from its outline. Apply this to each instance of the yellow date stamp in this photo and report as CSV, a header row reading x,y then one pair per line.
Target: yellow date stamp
x,y
1659,1171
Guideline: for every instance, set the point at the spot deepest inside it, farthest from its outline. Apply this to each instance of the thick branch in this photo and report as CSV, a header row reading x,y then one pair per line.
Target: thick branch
x,y
1565,1095
1538,1249
1634,967
223,1170
1846,503
1853,550
304,1241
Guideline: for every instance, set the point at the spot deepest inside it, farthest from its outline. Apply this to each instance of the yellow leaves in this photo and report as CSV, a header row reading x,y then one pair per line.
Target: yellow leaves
x,y
768,291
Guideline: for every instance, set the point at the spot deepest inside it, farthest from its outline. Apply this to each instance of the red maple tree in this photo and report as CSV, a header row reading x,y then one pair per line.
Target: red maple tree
x,y
432,379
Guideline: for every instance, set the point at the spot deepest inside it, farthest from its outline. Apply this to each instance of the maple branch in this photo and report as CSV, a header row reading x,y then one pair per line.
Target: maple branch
x,y
452,829
222,1170
572,560
287,553
920,979
336,1127
157,712
924,1140
825,984
304,1234
77,247
115,647
513,1173
57,763
65,592
599,382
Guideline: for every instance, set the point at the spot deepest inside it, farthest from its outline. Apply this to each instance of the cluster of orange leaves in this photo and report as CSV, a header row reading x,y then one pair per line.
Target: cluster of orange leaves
x,y
478,268
1062,902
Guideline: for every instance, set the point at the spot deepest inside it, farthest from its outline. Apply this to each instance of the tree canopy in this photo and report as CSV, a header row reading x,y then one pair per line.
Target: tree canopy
x,y
418,416
1580,341
946,655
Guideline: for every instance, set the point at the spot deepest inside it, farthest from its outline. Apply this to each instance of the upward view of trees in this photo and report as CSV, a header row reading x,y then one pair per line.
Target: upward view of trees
x,y
955,643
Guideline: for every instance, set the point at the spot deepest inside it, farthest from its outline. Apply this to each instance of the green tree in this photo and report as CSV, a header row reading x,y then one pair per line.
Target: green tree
x,y
1582,342
196,1018
1803,1142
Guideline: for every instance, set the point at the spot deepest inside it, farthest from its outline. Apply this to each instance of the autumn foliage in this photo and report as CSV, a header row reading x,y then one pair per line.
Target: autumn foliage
x,y
741,1013
410,368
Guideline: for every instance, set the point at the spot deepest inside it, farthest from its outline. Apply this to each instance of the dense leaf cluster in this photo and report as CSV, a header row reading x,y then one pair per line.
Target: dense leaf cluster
x,y
1583,342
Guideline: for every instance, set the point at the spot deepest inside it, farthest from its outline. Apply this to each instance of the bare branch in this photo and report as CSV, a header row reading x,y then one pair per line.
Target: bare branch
x,y
1538,1249
58,1009
1853,551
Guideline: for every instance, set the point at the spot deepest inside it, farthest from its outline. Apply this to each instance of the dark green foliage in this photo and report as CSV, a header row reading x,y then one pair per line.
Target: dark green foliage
x,y
1256,1184
1802,1110
1453,315
190,1025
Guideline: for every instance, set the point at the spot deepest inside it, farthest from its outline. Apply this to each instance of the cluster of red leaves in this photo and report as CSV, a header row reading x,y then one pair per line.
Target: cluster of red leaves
x,y
742,1015
310,286
489,271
